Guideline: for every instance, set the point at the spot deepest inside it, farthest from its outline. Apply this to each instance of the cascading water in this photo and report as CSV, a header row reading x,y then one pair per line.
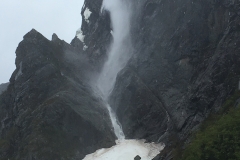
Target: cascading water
x,y
121,47
119,53
117,127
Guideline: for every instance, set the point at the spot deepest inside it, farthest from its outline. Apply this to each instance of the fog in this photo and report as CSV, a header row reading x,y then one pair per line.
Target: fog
x,y
47,16
121,48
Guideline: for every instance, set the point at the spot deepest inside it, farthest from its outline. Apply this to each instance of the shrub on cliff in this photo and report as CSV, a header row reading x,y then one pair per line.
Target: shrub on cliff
x,y
219,140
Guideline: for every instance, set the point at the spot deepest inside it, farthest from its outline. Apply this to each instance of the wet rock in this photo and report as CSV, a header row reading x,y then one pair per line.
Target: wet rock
x,y
137,157
184,66
3,87
49,111
138,107
97,34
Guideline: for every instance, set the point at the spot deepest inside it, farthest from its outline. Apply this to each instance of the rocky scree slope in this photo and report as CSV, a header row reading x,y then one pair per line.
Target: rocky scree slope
x,y
49,111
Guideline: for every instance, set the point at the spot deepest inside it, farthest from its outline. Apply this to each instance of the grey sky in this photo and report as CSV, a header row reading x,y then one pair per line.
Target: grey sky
x,y
18,17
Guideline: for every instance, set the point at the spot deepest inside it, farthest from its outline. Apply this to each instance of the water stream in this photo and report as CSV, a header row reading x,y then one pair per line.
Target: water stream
x,y
116,125
119,53
121,48
118,56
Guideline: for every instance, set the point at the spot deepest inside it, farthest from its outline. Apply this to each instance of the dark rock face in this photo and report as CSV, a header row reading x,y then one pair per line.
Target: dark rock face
x,y
3,87
137,157
96,30
49,110
185,64
138,107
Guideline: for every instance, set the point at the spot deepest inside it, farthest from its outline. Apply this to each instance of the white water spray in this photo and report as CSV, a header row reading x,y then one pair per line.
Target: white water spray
x,y
121,48
117,127
119,53
118,56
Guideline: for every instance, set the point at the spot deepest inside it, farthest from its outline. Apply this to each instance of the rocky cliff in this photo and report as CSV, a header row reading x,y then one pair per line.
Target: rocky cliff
x,y
49,111
3,87
184,65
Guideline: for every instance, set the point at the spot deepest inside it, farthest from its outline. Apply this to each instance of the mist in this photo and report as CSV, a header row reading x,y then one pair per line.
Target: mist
x,y
121,47
18,17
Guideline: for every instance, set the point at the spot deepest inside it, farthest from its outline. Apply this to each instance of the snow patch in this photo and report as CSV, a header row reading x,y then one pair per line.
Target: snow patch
x,y
87,13
80,35
19,73
85,47
127,150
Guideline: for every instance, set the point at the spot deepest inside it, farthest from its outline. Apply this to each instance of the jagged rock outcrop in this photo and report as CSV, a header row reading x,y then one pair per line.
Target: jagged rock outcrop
x,y
3,87
185,64
49,111
94,36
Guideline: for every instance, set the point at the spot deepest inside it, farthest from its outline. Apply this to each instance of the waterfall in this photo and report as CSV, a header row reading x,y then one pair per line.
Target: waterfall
x,y
118,56
116,125
121,48
119,52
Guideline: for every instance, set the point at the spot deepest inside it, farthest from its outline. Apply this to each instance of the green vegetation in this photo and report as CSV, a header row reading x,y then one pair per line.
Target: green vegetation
x,y
220,141
218,137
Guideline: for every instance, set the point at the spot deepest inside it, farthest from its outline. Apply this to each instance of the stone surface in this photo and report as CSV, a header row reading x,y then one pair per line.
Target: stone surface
x,y
97,32
49,110
185,64
137,157
3,87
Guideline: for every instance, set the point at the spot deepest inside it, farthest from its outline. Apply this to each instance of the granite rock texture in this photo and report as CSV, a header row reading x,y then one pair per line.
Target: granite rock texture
x,y
49,110
3,87
185,64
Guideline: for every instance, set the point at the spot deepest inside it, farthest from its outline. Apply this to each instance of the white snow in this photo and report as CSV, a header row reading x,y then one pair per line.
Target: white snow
x,y
127,150
85,47
87,13
80,35
19,73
